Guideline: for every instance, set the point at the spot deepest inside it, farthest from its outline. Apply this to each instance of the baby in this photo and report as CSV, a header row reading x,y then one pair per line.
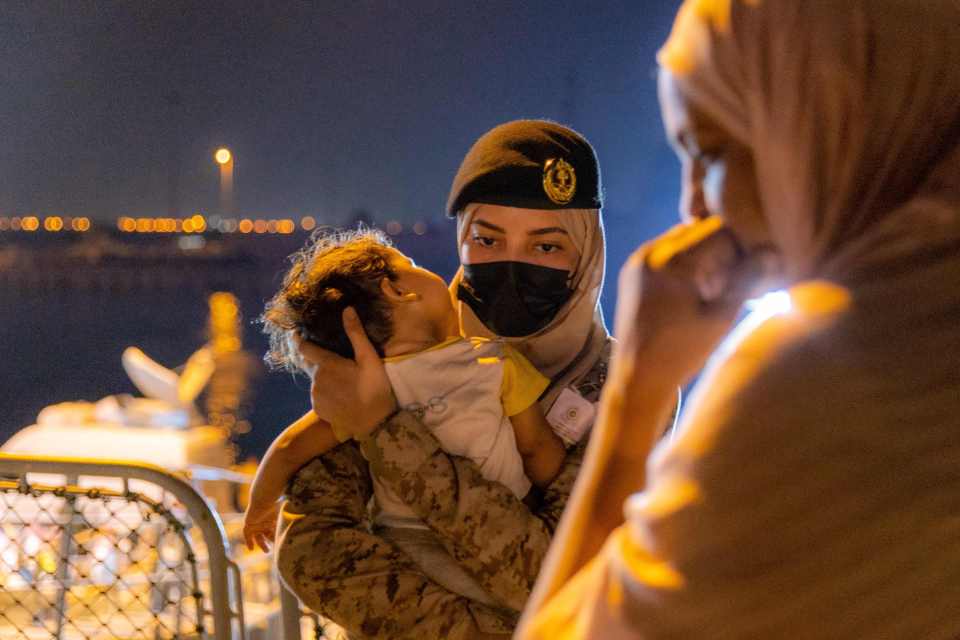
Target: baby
x,y
478,397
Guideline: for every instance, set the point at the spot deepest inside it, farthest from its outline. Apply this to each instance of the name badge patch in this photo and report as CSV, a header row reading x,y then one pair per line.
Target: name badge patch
x,y
571,416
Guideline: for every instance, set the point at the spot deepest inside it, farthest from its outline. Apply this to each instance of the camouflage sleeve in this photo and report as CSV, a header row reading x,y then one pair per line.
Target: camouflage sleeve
x,y
330,559
494,536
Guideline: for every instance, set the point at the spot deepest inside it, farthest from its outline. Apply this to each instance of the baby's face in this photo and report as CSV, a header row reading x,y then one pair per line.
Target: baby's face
x,y
434,305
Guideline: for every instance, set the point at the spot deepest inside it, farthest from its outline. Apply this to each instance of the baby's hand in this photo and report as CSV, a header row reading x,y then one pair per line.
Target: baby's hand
x,y
259,526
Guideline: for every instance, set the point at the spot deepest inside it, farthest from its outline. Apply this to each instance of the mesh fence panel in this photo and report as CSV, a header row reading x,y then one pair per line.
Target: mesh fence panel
x,y
99,563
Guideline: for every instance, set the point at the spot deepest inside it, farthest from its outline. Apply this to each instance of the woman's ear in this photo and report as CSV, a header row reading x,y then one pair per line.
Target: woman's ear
x,y
394,294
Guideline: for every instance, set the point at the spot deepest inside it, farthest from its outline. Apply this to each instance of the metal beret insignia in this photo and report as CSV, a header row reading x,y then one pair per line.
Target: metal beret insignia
x,y
559,180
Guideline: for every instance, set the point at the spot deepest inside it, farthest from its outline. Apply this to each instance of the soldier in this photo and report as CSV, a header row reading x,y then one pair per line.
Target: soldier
x,y
527,199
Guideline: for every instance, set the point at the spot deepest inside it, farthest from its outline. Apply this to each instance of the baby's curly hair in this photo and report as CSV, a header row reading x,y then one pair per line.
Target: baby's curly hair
x,y
336,270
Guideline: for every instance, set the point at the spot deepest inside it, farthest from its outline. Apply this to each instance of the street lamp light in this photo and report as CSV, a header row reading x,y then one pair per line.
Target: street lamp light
x,y
225,159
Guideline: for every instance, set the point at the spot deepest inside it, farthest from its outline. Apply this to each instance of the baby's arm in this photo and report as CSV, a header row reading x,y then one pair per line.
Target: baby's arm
x,y
304,440
541,449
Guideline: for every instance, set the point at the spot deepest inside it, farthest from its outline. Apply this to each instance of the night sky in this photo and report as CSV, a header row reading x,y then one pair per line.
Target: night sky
x,y
115,108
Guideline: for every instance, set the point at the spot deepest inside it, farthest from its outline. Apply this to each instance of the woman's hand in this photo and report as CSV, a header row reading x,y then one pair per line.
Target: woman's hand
x,y
678,295
354,396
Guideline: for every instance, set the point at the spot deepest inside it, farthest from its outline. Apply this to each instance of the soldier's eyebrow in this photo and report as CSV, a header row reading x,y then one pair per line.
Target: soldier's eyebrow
x,y
533,232
546,230
489,225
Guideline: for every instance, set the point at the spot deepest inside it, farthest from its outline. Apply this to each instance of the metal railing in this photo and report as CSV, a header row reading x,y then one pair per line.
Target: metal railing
x,y
293,613
103,549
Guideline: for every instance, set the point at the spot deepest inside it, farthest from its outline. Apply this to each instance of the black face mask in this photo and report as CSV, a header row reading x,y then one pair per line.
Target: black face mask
x,y
514,299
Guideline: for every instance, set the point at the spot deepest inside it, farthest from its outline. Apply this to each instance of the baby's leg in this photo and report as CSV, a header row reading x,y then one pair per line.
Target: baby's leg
x,y
327,555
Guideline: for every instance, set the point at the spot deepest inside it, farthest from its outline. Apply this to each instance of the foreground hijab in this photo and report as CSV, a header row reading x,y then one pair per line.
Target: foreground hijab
x,y
571,343
814,488
852,111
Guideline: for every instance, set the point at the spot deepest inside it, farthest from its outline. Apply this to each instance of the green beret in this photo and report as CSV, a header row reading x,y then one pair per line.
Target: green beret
x,y
531,164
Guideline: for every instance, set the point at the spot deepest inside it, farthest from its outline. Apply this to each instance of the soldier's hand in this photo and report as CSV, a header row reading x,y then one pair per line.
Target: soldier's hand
x,y
354,396
259,527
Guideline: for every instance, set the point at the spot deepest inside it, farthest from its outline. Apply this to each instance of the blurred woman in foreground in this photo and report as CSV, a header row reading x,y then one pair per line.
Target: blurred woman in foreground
x,y
813,488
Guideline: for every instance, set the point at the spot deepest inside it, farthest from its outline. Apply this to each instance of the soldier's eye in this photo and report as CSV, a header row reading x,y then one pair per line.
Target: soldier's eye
x,y
546,247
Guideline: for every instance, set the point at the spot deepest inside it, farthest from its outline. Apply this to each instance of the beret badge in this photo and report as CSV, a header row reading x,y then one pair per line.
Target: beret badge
x,y
559,181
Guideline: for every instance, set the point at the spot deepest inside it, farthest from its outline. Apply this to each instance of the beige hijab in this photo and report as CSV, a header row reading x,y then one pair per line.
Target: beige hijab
x,y
853,116
570,345
813,488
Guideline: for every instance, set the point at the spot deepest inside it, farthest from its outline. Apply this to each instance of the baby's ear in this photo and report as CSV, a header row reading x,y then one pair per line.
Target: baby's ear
x,y
394,294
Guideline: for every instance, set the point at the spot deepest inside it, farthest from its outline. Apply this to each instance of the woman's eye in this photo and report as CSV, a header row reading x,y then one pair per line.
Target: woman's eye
x,y
705,157
484,241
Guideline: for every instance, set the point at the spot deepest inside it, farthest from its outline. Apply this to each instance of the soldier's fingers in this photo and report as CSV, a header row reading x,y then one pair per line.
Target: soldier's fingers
x,y
249,539
307,367
318,356
363,349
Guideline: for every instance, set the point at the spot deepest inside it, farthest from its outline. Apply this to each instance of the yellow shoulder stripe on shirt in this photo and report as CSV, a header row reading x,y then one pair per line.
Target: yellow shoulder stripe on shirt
x,y
522,384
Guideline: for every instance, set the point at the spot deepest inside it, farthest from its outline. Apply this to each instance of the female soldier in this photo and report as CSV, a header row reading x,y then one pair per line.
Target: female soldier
x,y
812,489
527,197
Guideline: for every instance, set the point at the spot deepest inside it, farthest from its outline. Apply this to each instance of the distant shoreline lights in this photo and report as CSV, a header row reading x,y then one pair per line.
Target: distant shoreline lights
x,y
195,224
50,224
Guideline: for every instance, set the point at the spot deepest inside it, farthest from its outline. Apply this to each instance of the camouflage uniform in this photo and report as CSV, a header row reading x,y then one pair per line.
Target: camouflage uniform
x,y
330,558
